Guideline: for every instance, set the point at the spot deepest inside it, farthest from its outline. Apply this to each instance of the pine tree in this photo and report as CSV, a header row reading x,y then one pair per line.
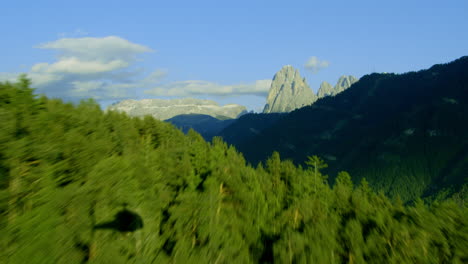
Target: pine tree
x,y
317,164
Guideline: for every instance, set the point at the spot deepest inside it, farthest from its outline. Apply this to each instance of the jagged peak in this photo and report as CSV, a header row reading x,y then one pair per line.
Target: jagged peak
x,y
288,91
344,82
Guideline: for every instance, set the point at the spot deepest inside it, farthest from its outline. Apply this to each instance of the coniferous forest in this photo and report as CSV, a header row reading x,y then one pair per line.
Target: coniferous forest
x,y
79,185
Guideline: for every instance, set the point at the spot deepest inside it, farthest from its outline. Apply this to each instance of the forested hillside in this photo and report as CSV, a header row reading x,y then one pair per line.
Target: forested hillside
x,y
81,186
207,126
407,134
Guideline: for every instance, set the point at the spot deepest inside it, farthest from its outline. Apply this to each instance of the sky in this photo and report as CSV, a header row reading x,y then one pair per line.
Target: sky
x,y
227,51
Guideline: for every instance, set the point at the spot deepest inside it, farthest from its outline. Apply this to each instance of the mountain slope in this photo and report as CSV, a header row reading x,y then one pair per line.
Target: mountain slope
x,y
249,126
406,134
205,125
325,89
343,83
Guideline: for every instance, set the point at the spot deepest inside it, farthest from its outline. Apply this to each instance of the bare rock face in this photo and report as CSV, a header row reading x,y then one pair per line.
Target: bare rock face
x,y
344,82
165,109
325,89
288,91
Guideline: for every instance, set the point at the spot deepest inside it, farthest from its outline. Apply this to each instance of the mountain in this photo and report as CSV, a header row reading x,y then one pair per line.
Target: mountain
x,y
205,125
288,91
344,82
248,126
325,90
405,133
165,109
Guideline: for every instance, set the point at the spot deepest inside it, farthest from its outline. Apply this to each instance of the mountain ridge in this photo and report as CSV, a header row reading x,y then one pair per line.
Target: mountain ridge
x,y
163,109
289,91
343,83
381,121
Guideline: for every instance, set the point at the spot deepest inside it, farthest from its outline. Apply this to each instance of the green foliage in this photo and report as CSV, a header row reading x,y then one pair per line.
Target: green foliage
x,y
67,172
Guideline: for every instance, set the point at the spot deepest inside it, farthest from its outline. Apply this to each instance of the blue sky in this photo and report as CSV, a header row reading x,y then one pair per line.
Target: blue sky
x,y
221,50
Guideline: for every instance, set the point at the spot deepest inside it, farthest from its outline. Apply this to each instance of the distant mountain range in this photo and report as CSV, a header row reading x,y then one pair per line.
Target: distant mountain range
x,y
407,134
288,91
164,109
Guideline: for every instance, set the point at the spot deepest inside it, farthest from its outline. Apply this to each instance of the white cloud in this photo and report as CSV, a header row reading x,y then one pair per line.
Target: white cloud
x,y
90,56
102,68
89,48
77,66
107,68
7,76
85,87
198,87
42,80
314,64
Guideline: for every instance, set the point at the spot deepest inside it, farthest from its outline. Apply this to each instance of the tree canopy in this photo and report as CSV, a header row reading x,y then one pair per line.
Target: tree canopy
x,y
79,185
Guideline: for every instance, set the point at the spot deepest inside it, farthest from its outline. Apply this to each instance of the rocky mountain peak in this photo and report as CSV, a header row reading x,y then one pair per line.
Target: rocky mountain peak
x,y
344,82
288,91
325,90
